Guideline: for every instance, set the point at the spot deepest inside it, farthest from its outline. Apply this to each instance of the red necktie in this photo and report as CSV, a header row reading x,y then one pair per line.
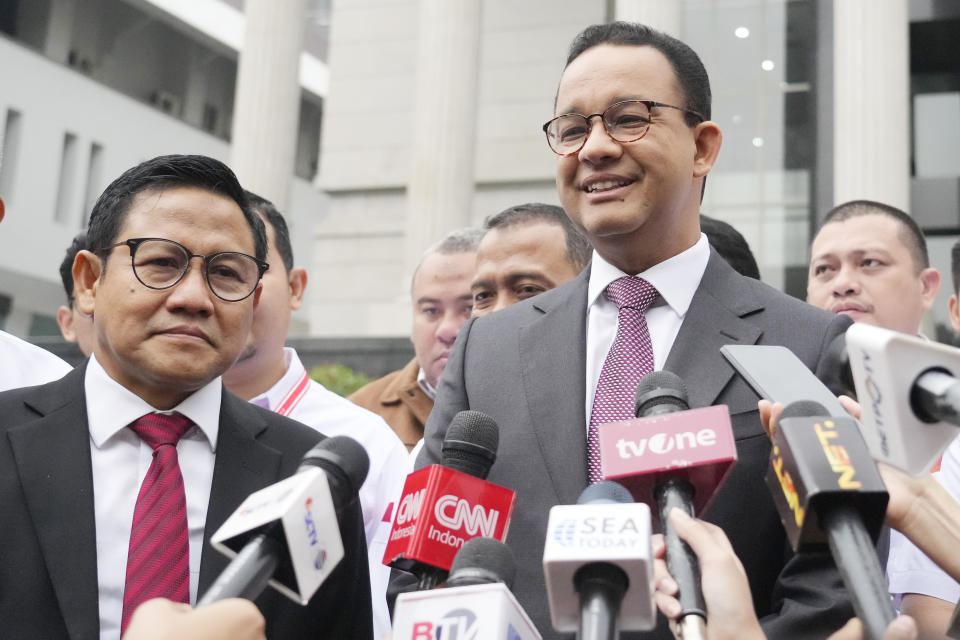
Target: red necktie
x,y
158,558
629,359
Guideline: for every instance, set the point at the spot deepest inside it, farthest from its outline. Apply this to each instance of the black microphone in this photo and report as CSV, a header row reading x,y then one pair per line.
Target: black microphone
x,y
601,585
482,561
827,489
444,505
659,393
266,552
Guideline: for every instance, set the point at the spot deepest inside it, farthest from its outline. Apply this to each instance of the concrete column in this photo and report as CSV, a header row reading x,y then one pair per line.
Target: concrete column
x,y
663,16
59,37
440,190
871,101
267,104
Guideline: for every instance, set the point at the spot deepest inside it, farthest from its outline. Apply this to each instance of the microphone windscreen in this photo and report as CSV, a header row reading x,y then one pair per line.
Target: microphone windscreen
x,y
346,455
482,561
804,409
660,392
605,492
471,443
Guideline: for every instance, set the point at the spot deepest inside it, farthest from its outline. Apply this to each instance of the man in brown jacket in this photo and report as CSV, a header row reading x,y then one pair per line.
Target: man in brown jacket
x,y
441,304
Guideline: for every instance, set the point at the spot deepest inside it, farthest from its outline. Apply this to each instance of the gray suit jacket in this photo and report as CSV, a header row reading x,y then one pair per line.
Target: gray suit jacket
x,y
524,366
48,553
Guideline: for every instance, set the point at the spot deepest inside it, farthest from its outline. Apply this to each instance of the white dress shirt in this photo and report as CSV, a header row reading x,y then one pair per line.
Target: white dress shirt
x,y
909,570
120,460
25,364
676,280
297,396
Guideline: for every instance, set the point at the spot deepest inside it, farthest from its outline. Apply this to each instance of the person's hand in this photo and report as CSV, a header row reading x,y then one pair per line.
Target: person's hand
x,y
769,415
161,619
723,581
902,628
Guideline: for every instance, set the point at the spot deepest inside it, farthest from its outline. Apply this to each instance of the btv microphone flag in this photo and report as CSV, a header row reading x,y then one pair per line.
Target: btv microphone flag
x,y
440,510
303,507
696,444
477,612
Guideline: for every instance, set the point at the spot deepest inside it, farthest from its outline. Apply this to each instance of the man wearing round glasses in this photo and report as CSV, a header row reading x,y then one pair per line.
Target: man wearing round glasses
x,y
634,143
113,478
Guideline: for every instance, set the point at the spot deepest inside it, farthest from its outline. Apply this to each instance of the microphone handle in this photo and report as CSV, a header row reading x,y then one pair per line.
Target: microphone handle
x,y
247,574
854,554
681,560
601,586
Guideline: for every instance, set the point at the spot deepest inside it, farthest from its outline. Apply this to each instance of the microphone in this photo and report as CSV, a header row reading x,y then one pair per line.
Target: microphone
x,y
598,564
909,395
445,505
476,603
287,534
829,494
482,561
672,456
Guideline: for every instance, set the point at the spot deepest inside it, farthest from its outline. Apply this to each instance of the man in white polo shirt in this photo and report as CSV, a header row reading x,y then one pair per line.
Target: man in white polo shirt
x,y
272,376
24,364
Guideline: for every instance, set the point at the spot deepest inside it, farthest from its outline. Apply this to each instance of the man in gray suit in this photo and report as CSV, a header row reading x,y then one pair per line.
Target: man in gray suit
x,y
630,176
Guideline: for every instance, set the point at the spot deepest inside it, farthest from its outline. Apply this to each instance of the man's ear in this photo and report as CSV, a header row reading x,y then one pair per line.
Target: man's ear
x,y
87,268
298,284
708,138
65,321
930,283
3,209
954,313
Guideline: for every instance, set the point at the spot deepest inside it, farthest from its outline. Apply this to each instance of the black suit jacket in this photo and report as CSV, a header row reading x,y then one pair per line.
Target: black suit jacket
x,y
48,565
524,366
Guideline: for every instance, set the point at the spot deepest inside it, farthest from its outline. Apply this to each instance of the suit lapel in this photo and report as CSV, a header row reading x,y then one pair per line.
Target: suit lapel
x,y
243,465
714,319
52,455
553,361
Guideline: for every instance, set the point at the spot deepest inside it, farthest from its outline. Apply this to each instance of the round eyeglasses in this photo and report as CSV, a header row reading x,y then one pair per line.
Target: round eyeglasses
x,y
625,121
159,264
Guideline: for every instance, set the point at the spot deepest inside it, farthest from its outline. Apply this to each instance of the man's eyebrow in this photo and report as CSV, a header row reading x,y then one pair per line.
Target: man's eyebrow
x,y
485,283
428,300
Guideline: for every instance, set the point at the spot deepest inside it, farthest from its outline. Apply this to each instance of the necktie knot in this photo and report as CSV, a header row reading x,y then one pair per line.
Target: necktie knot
x,y
632,292
157,429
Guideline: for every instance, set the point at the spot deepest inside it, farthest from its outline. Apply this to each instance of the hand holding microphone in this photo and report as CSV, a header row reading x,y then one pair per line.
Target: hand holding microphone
x,y
162,619
727,594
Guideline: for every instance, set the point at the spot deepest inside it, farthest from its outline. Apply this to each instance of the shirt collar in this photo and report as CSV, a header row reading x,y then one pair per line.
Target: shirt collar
x,y
111,406
676,279
274,395
425,385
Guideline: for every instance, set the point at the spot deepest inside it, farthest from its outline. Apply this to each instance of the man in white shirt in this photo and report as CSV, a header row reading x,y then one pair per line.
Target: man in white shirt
x,y
113,478
634,143
869,261
25,364
272,376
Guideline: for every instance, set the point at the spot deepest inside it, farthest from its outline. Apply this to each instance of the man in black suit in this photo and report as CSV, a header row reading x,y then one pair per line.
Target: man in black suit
x,y
634,144
171,282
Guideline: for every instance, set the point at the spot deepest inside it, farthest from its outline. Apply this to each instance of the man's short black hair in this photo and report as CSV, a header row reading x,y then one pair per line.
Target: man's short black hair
x,y
731,245
281,234
579,248
160,173
689,70
66,267
910,233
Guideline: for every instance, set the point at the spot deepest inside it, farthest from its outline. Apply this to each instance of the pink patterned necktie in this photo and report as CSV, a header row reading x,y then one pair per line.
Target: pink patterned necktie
x,y
629,359
158,558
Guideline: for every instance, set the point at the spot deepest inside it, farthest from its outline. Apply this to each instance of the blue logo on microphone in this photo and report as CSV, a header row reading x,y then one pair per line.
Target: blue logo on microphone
x,y
565,532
